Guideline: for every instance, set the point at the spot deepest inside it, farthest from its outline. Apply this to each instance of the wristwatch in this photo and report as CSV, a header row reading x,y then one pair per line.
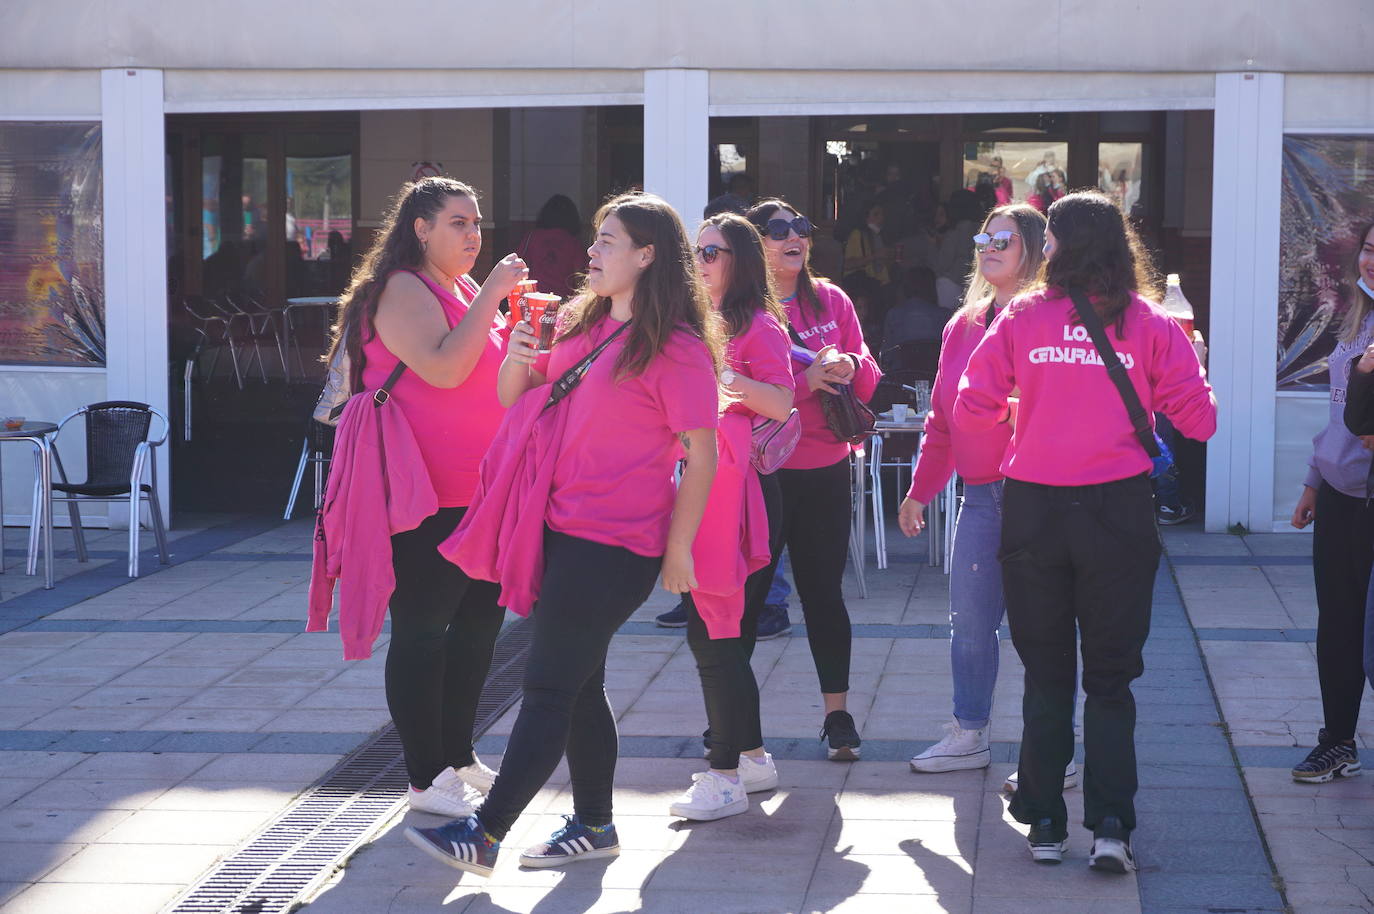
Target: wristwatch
x,y
727,378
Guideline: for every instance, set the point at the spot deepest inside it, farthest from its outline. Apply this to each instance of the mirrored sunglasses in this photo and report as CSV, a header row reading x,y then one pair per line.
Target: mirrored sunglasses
x,y
997,241
710,252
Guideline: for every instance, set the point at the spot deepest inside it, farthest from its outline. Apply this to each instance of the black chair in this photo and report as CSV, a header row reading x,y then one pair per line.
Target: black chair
x,y
316,451
118,449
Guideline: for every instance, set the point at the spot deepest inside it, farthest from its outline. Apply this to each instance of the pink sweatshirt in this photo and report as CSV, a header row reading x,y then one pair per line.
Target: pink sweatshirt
x,y
378,486
838,324
1071,426
976,456
455,425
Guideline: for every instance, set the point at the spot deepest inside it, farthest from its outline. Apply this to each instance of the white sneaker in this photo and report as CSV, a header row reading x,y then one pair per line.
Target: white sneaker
x,y
710,797
447,796
1111,855
959,749
759,774
477,776
1070,779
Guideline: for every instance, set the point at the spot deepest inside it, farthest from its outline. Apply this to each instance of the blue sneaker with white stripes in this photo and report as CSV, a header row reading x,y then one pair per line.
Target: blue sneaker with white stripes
x,y
462,843
574,841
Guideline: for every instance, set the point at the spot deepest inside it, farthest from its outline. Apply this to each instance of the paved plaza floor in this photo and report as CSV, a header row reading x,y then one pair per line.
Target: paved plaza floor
x,y
150,727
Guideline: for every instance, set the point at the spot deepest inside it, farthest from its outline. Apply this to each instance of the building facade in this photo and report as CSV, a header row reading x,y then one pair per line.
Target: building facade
x,y
161,158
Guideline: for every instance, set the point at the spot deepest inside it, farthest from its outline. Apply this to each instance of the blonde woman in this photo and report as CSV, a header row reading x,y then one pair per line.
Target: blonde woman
x,y
1008,254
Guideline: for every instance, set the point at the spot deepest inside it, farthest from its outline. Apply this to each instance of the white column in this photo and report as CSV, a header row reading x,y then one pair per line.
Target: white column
x,y
134,140
676,138
1247,171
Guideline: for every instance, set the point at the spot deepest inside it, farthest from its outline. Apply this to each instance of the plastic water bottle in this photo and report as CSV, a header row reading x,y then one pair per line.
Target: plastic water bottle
x,y
1176,303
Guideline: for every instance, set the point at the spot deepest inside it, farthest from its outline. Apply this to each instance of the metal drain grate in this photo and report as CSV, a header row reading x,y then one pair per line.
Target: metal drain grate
x,y
301,848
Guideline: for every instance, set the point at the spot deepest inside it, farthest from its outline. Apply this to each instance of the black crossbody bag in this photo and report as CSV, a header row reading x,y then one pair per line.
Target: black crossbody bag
x,y
1161,458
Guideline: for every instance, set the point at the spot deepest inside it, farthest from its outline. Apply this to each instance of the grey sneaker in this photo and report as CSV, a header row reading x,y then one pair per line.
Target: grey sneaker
x,y
1331,759
1111,852
1047,842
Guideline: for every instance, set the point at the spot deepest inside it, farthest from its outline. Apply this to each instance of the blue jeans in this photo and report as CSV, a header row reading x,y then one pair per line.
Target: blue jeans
x,y
779,589
1166,485
976,604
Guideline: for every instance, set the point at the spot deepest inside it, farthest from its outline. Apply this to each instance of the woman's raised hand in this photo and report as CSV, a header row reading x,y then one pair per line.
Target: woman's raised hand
x,y
508,271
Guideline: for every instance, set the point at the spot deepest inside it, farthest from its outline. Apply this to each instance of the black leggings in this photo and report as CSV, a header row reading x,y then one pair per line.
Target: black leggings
x,y
588,591
1342,554
443,627
815,513
727,680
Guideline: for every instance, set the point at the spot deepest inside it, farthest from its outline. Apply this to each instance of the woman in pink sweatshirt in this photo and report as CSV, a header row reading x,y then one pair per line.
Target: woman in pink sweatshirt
x,y
1008,257
721,633
411,301
1079,546
614,522
828,352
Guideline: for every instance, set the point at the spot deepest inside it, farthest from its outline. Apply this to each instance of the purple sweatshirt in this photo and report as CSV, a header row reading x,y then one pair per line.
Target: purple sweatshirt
x,y
1338,457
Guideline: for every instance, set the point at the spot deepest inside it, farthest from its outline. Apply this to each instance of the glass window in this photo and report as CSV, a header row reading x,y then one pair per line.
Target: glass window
x,y
233,213
1034,172
319,214
52,275
1120,171
1328,183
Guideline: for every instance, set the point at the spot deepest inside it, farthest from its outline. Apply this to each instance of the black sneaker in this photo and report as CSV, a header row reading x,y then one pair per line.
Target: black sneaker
x,y
1331,759
1111,851
673,618
773,622
1047,843
1167,515
844,738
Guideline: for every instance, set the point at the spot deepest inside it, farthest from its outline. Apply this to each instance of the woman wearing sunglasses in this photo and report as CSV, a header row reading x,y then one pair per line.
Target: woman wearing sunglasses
x,y
828,351
722,631
613,522
1079,545
1008,256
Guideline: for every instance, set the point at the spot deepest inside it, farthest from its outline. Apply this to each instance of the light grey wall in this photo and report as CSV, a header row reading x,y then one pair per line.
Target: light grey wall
x,y
1110,35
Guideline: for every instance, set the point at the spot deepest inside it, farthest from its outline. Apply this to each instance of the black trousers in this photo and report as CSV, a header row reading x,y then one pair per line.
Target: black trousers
x,y
1342,555
815,515
443,627
588,591
727,680
1079,557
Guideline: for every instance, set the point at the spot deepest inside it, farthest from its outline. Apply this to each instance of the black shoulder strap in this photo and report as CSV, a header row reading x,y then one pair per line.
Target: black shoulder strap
x,y
796,337
573,376
384,392
1140,420
992,312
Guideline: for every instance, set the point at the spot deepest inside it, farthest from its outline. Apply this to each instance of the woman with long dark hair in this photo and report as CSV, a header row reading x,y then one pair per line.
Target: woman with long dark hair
x,y
1008,257
613,521
1335,497
722,632
828,352
554,248
1079,546
411,301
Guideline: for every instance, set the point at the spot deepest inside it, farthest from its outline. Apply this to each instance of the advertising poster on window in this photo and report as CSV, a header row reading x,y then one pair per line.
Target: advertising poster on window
x,y
52,278
1328,194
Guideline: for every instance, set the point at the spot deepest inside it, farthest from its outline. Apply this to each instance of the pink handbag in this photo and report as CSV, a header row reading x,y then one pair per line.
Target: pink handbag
x,y
773,441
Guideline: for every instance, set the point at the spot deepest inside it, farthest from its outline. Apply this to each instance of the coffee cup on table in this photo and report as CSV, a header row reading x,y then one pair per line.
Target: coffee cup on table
x,y
900,412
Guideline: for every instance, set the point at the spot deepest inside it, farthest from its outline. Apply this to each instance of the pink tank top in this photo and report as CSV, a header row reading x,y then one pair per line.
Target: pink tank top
x,y
453,426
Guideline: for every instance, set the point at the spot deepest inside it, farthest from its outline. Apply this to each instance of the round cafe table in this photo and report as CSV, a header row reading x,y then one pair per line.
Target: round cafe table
x,y
40,519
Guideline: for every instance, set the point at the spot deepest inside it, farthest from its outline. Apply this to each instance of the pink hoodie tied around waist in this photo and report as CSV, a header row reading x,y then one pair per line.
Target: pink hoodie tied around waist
x,y
378,486
732,541
501,537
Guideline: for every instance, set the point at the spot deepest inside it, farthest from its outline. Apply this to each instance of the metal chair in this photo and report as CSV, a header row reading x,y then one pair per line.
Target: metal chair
x,y
213,320
260,327
316,450
118,449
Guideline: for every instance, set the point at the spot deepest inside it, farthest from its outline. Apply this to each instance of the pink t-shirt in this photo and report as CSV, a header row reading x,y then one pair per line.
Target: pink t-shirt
x,y
613,482
977,456
761,352
1071,427
453,426
838,324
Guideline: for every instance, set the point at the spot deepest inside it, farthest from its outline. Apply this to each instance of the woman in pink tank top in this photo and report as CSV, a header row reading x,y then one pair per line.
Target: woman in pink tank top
x,y
411,301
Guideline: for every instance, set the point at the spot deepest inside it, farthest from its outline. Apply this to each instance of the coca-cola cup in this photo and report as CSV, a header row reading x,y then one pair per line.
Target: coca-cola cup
x,y
541,313
522,288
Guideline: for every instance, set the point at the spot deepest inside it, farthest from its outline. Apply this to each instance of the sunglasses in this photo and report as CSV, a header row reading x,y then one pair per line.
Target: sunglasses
x,y
779,229
998,242
709,253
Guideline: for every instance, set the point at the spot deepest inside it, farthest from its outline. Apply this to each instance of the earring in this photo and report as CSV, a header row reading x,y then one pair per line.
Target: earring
x,y
424,246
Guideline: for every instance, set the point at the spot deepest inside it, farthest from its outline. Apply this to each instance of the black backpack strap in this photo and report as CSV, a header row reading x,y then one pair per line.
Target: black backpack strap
x,y
573,376
1140,420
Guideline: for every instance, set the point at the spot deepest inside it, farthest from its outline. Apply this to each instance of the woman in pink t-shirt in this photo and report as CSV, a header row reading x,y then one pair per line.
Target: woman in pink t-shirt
x,y
730,257
411,301
828,352
614,521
